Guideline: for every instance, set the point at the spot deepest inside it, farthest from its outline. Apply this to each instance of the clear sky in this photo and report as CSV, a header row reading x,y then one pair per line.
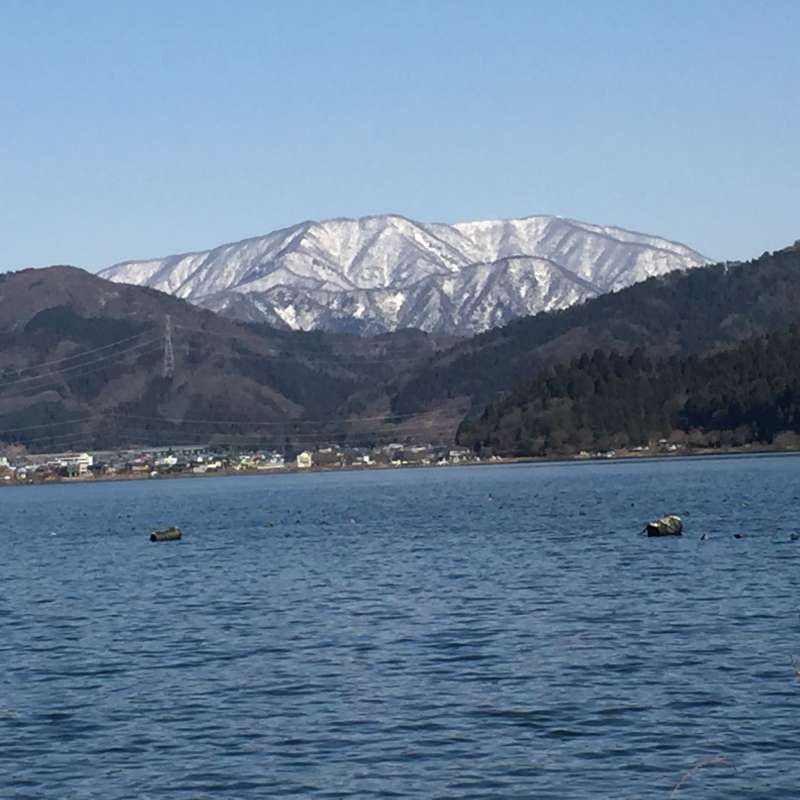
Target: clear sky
x,y
141,129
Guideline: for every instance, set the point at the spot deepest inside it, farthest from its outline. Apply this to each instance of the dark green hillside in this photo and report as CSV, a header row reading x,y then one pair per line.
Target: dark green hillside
x,y
81,366
681,313
748,394
81,363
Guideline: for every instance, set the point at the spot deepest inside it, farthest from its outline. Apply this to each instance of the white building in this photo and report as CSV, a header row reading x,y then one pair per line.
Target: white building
x,y
304,460
77,464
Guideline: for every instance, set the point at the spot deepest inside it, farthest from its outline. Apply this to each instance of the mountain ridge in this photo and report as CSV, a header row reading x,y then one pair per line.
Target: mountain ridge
x,y
274,383
391,214
328,275
681,313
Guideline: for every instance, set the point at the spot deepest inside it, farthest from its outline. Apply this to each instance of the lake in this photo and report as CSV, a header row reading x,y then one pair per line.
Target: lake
x,y
476,632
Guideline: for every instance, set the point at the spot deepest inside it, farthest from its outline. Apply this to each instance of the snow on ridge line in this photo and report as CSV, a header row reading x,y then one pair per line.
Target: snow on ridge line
x,y
344,257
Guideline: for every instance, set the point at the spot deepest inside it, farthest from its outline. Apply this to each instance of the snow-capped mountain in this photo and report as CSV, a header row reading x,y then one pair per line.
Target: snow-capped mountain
x,y
381,273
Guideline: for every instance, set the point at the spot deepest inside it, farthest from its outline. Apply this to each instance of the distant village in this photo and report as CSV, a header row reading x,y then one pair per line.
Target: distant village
x,y
20,467
194,460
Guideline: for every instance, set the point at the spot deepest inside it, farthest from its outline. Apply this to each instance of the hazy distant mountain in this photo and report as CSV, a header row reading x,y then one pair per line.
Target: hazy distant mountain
x,y
382,273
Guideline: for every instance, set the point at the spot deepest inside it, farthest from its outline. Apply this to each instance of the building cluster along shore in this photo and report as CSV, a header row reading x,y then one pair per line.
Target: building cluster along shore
x,y
196,460
206,460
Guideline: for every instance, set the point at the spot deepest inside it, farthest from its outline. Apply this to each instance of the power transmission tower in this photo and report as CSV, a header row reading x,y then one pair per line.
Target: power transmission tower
x,y
169,355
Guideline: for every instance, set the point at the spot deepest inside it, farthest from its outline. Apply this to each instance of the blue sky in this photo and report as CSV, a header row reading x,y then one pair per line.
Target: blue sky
x,y
130,130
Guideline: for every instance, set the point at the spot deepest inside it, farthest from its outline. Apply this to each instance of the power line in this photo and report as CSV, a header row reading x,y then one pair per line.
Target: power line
x,y
74,367
175,435
348,438
367,358
338,422
388,417
322,361
343,429
52,424
47,385
169,357
82,353
291,430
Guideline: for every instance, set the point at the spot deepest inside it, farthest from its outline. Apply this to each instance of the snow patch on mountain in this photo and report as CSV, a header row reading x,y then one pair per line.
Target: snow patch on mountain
x,y
381,273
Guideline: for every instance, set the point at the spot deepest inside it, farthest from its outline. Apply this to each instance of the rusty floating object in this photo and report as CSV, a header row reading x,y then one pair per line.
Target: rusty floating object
x,y
171,534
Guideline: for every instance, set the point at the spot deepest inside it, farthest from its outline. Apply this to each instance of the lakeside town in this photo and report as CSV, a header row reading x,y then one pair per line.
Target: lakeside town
x,y
19,467
197,460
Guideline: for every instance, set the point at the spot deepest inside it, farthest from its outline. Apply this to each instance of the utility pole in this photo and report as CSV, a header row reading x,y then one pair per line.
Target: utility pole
x,y
169,355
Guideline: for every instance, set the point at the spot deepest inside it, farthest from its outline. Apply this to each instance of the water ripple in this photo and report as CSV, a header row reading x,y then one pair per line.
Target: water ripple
x,y
465,633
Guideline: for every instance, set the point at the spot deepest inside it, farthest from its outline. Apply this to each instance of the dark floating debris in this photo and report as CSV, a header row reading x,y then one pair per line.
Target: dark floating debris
x,y
738,536
670,525
166,534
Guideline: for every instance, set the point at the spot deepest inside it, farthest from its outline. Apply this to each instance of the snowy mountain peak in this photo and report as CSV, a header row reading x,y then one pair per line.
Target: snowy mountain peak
x,y
379,273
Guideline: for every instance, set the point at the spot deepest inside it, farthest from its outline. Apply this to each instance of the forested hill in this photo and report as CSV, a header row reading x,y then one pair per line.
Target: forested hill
x,y
681,313
748,394
81,365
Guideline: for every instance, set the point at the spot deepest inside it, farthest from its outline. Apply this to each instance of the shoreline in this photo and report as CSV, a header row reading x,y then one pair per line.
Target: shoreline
x,y
737,452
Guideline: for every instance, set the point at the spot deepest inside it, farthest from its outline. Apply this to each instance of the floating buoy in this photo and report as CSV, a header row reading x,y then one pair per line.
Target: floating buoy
x,y
165,534
665,526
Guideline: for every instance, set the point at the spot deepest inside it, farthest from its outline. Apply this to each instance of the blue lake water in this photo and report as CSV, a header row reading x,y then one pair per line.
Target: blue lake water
x,y
480,632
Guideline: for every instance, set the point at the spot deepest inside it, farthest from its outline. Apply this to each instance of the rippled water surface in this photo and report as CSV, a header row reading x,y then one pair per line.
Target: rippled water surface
x,y
482,632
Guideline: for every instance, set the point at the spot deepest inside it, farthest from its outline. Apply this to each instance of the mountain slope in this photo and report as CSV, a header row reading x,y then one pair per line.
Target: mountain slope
x,y
81,365
382,273
80,358
748,394
680,313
